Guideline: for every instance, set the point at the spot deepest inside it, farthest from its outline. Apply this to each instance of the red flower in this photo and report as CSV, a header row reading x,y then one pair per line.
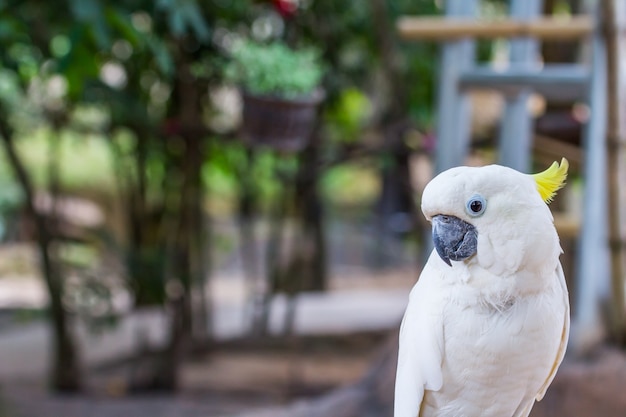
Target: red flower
x,y
286,8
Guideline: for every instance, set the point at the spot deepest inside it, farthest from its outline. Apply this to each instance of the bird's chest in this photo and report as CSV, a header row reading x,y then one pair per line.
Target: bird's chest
x,y
483,337
495,359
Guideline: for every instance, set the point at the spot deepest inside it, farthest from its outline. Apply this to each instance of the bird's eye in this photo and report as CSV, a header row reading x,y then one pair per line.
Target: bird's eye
x,y
476,206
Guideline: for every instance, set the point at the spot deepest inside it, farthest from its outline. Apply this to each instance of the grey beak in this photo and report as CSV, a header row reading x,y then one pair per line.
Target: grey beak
x,y
454,238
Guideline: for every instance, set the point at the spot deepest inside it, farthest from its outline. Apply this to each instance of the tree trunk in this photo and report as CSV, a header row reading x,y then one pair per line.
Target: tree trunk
x,y
188,252
66,373
192,227
256,286
396,211
312,256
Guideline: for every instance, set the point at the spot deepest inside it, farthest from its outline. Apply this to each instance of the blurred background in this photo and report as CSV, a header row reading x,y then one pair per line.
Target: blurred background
x,y
211,207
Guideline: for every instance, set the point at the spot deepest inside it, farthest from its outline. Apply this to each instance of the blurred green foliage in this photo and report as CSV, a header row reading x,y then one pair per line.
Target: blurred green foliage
x,y
127,102
275,69
106,97
352,185
117,61
348,115
85,164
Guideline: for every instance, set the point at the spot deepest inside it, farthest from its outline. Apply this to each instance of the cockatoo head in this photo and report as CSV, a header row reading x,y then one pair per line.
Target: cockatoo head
x,y
494,212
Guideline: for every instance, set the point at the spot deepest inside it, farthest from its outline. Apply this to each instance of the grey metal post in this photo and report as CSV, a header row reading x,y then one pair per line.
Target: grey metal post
x,y
516,130
453,110
593,272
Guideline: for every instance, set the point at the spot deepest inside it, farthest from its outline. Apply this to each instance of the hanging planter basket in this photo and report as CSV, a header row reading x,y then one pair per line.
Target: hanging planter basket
x,y
282,124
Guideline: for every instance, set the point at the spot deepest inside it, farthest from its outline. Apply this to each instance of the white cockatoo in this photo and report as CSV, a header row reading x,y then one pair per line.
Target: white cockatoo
x,y
487,323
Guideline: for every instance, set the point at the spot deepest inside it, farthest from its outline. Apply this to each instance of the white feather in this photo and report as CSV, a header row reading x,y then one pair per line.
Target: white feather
x,y
421,343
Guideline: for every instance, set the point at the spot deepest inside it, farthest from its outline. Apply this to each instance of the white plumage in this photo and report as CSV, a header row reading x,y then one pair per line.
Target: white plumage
x,y
484,336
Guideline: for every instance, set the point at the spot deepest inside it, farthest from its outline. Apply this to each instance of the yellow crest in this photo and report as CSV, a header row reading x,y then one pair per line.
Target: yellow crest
x,y
551,180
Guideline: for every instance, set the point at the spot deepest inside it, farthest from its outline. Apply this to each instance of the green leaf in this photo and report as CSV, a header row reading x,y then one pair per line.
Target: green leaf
x,y
177,22
91,12
122,23
79,65
60,46
183,15
196,20
9,28
162,55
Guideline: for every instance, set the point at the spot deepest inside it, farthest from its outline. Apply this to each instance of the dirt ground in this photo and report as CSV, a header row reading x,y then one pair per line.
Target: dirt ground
x,y
236,380
586,388
589,387
265,381
233,379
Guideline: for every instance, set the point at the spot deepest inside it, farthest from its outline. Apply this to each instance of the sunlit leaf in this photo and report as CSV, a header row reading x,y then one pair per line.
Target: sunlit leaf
x,y
122,24
60,45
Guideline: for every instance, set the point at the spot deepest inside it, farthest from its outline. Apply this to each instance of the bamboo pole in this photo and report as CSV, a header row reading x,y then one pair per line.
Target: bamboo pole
x,y
440,28
613,13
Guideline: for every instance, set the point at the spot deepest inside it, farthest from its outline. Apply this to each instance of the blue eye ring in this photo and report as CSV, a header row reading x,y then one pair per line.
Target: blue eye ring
x,y
476,205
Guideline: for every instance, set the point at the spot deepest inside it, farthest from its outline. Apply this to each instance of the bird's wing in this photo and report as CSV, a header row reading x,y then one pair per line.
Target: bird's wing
x,y
564,336
421,346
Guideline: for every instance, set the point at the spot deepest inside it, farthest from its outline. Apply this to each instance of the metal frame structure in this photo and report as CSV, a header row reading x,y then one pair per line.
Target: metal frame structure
x,y
525,28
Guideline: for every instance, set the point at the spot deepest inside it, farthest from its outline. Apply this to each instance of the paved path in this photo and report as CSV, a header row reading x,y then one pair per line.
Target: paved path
x,y
25,349
357,302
